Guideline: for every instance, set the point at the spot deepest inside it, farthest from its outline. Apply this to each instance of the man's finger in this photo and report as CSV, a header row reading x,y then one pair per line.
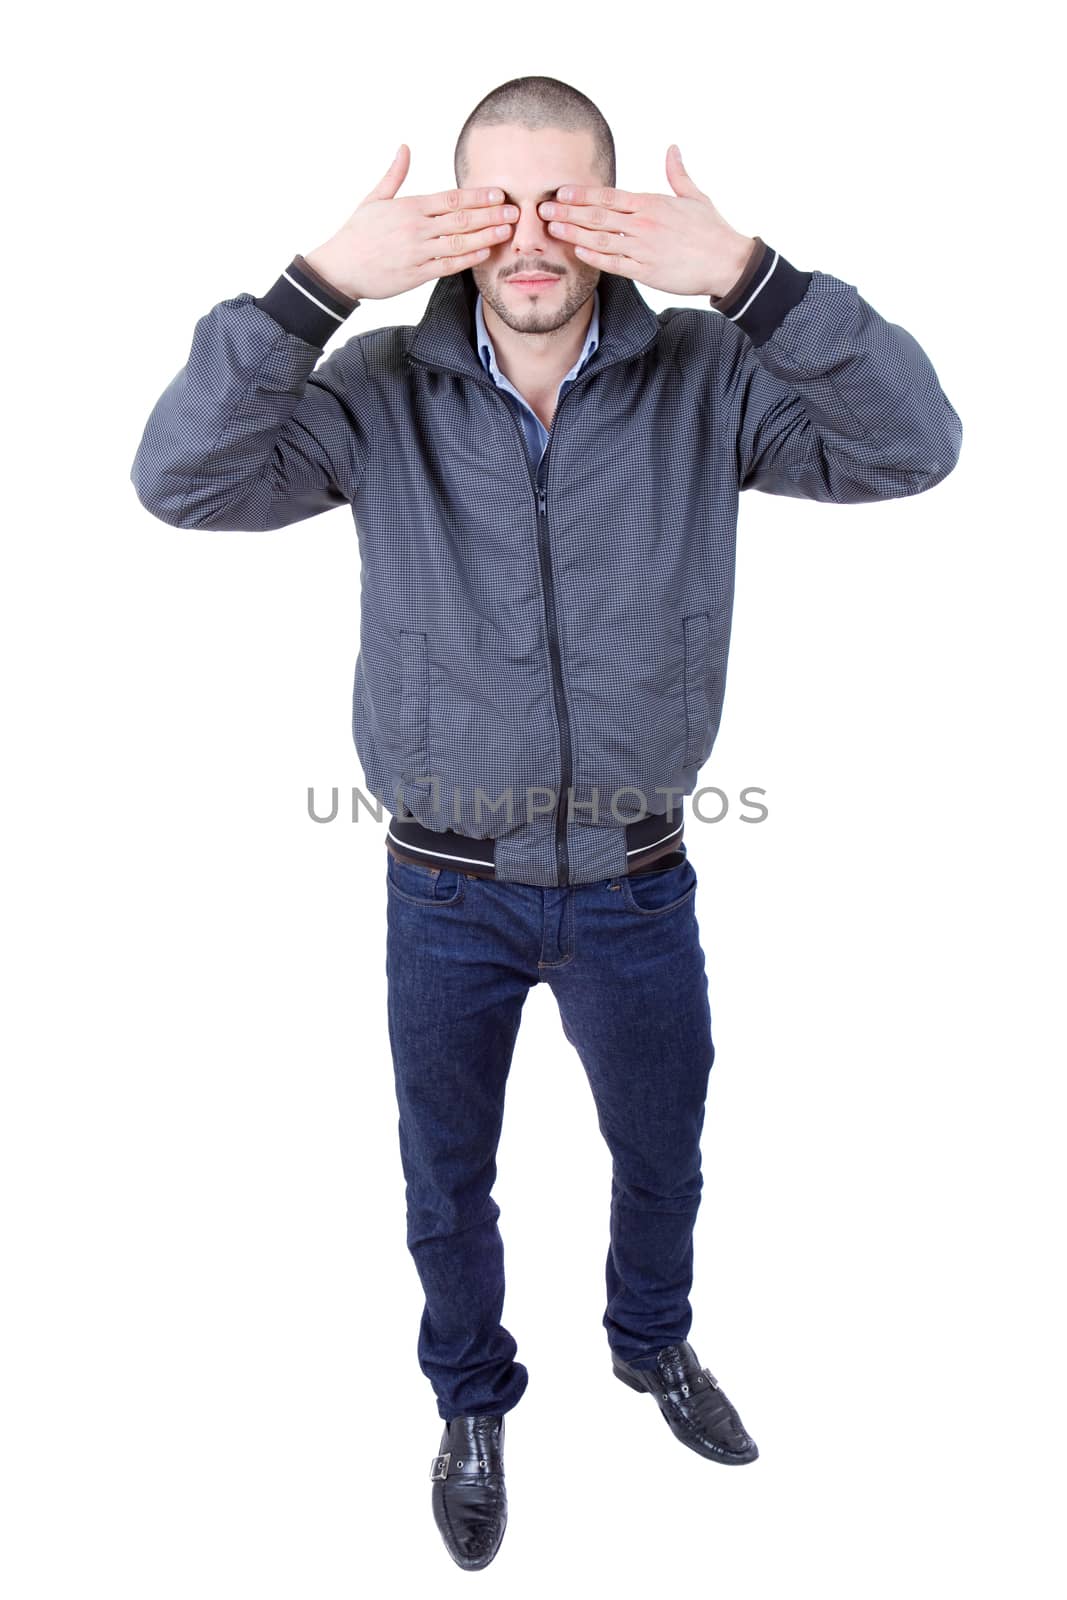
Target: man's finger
x,y
469,221
617,199
588,216
461,241
450,200
622,266
592,239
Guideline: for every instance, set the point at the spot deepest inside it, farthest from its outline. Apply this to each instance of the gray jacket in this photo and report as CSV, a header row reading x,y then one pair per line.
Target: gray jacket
x,y
543,651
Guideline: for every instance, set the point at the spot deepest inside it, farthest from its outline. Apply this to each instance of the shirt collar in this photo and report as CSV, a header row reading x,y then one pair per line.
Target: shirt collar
x,y
488,354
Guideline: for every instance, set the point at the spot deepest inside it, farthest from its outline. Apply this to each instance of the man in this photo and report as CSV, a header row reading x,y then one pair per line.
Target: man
x,y
544,478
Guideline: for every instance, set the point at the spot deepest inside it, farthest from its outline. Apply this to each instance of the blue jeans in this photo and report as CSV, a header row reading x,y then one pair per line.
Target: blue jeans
x,y
624,960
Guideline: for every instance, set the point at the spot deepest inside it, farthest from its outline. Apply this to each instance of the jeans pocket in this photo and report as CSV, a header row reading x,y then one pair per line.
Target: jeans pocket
x,y
660,889
424,885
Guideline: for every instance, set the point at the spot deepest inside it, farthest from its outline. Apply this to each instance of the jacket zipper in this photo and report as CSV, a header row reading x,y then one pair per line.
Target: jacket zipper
x,y
562,715
559,699
548,592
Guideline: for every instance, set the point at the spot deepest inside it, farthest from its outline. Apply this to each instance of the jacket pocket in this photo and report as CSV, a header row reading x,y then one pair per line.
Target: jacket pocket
x,y
414,705
696,632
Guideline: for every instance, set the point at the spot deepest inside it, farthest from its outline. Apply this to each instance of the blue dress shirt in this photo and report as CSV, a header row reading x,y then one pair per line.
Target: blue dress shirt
x,y
534,430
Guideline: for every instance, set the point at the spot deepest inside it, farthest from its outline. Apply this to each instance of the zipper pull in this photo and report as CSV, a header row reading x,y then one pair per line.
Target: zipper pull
x,y
541,507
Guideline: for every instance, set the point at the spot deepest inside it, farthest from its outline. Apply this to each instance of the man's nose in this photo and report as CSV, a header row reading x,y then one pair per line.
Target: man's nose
x,y
530,231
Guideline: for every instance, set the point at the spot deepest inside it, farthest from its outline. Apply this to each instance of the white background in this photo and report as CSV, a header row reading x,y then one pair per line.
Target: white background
x,y
209,1375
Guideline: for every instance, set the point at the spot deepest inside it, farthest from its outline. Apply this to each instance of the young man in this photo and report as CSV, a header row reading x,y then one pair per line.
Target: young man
x,y
544,478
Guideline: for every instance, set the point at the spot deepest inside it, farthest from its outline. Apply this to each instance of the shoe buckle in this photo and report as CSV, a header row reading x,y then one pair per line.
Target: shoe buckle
x,y
702,1377
439,1465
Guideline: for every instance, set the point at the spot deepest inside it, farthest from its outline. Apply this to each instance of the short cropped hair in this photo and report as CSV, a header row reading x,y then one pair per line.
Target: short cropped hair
x,y
540,103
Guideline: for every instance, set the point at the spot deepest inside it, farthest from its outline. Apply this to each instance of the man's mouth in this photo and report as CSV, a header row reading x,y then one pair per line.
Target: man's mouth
x,y
533,280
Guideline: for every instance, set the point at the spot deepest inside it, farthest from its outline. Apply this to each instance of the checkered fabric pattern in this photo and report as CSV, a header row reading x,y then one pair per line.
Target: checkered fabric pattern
x,y
543,652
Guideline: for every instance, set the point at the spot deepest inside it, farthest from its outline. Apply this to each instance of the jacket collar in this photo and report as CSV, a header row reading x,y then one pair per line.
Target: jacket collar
x,y
445,336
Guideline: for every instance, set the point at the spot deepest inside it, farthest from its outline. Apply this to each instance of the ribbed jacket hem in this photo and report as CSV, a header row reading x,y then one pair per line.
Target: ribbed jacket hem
x,y
648,840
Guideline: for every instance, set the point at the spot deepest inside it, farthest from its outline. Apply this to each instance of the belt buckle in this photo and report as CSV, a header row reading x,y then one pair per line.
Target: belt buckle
x,y
437,1460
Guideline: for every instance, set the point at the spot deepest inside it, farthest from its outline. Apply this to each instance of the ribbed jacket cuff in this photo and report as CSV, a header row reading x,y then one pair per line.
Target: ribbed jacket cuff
x,y
305,304
768,288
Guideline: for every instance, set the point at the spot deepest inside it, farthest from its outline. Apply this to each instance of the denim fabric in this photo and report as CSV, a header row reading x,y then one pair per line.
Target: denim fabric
x,y
624,960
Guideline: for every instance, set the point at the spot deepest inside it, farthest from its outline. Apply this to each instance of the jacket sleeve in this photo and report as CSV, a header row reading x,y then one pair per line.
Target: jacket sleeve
x,y
825,399
249,435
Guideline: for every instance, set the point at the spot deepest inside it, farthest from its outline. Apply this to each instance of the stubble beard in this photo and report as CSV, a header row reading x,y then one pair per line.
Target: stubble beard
x,y
579,281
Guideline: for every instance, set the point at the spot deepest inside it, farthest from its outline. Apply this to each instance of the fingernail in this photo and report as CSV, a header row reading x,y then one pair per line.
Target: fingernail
x,y
495,194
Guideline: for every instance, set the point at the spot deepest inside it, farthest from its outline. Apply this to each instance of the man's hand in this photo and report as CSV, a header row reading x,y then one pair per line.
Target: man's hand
x,y
390,245
678,243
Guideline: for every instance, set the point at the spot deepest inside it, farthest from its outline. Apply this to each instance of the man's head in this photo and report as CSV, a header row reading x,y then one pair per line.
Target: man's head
x,y
528,137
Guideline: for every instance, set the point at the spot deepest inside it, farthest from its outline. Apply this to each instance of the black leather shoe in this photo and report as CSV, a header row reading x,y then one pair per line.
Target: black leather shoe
x,y
696,1409
470,1502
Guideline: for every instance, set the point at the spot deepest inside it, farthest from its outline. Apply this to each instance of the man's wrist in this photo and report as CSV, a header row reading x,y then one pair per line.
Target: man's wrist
x,y
732,267
319,263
